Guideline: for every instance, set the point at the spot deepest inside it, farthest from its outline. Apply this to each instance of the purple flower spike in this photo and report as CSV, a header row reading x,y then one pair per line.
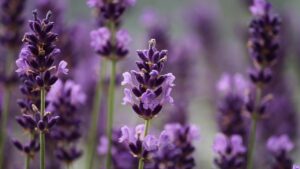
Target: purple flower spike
x,y
147,90
65,98
230,150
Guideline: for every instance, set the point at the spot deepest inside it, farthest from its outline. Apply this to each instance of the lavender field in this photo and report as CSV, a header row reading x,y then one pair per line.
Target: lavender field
x,y
149,84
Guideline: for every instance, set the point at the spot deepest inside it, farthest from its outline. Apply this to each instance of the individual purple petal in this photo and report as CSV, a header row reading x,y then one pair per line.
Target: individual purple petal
x,y
259,7
127,135
123,38
62,68
139,131
128,98
150,143
22,66
127,79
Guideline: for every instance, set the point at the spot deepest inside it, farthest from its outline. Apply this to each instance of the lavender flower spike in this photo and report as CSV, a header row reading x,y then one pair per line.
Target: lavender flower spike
x,y
263,48
147,89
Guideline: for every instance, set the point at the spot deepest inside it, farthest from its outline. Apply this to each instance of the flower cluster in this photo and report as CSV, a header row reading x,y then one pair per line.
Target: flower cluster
x,y
64,100
264,41
179,152
36,71
147,90
279,147
109,40
12,21
230,116
110,10
101,42
139,145
30,149
263,48
121,157
230,150
36,60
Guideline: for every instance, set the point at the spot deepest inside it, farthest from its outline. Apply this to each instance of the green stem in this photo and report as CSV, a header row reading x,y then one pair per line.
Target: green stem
x,y
6,103
92,136
252,138
4,117
110,115
147,126
27,162
42,134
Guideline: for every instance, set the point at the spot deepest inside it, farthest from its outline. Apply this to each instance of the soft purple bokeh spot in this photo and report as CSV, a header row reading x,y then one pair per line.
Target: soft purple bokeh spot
x,y
277,144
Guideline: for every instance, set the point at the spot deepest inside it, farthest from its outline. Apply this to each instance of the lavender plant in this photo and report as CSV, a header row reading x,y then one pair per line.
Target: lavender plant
x,y
64,100
38,73
111,42
263,48
11,22
148,90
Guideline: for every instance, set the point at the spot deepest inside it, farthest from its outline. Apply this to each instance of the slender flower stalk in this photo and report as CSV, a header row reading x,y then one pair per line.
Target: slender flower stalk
x,y
110,42
263,48
147,126
92,137
42,134
110,118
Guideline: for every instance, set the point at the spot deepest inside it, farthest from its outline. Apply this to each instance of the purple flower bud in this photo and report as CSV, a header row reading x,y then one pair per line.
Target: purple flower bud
x,y
127,135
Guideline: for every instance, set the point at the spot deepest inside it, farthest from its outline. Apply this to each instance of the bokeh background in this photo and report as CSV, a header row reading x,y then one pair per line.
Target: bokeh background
x,y
227,21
